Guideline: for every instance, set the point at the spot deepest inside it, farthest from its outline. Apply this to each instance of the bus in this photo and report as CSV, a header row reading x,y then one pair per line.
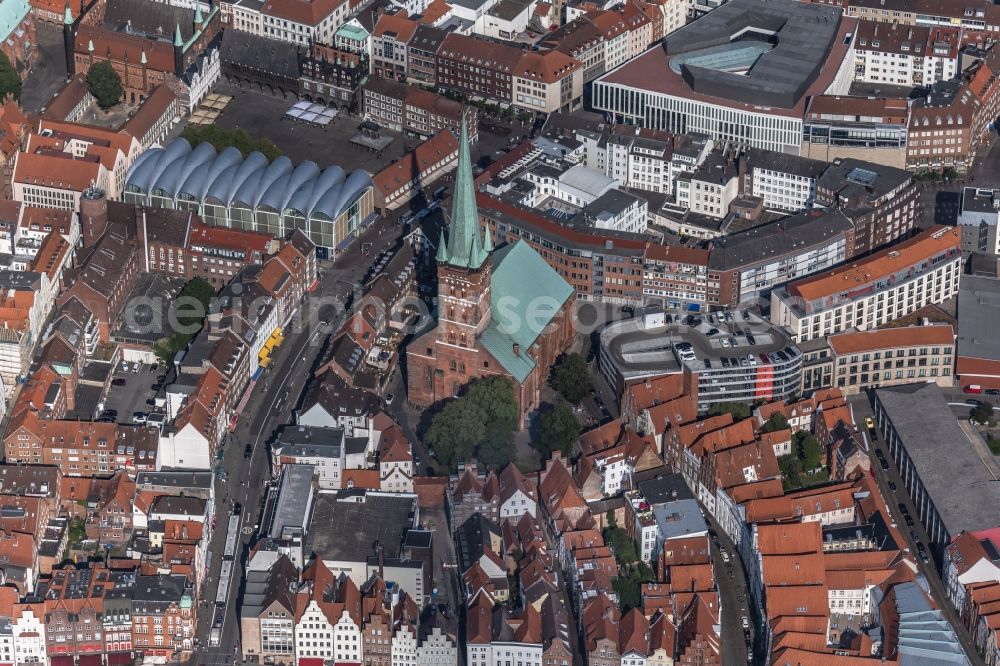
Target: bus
x,y
225,575
232,537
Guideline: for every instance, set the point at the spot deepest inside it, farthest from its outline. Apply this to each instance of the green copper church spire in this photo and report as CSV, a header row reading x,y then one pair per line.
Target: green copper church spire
x,y
68,16
465,249
442,253
178,40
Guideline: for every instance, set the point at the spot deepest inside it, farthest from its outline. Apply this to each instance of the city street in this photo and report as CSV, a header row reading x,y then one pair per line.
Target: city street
x,y
733,595
894,500
246,480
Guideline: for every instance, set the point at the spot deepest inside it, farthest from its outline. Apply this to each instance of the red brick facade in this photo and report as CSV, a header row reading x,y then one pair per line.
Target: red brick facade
x,y
444,360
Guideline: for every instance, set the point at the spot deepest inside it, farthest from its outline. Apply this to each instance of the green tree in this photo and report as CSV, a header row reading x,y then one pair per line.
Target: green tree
x,y
622,544
495,398
775,423
791,470
629,592
104,84
496,454
994,445
456,431
628,585
558,428
10,82
983,413
571,377
739,410
809,452
188,311
221,138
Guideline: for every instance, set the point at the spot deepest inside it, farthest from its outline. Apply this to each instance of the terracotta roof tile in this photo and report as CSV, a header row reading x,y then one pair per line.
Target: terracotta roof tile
x,y
910,336
879,265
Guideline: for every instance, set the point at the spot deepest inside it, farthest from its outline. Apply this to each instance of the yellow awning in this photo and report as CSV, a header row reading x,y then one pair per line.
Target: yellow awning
x,y
264,362
264,353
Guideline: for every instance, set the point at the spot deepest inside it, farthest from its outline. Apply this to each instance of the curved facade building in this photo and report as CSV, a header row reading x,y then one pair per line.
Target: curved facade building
x,y
250,193
741,358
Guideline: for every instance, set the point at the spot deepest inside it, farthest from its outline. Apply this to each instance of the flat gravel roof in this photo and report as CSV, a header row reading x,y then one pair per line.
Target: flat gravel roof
x,y
964,492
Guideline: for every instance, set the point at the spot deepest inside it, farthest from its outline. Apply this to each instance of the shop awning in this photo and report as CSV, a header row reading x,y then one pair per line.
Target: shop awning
x,y
264,362
310,661
89,660
61,660
119,658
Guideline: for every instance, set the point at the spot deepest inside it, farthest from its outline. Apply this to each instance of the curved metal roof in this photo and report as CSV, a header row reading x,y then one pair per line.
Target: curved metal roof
x,y
227,177
201,179
173,177
225,186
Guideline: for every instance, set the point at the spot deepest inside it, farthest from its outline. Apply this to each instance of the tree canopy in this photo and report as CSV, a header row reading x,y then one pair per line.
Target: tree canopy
x,y
221,138
776,422
808,450
739,410
188,311
628,585
571,377
557,429
479,424
104,84
456,431
983,413
10,82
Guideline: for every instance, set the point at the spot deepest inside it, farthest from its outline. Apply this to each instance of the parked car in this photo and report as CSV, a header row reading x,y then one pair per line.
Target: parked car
x,y
118,381
908,519
991,392
746,316
389,398
713,331
247,452
869,423
751,339
892,486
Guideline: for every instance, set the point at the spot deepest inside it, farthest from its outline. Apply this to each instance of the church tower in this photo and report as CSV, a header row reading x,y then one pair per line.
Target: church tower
x,y
463,262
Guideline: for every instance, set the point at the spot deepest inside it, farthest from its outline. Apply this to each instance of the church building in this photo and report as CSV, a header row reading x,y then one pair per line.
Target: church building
x,y
501,311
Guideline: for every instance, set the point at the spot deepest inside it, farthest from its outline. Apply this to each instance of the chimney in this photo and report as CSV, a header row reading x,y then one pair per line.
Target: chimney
x,y
517,349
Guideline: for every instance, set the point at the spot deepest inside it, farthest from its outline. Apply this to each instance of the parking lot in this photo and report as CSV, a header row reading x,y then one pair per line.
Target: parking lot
x,y
130,389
